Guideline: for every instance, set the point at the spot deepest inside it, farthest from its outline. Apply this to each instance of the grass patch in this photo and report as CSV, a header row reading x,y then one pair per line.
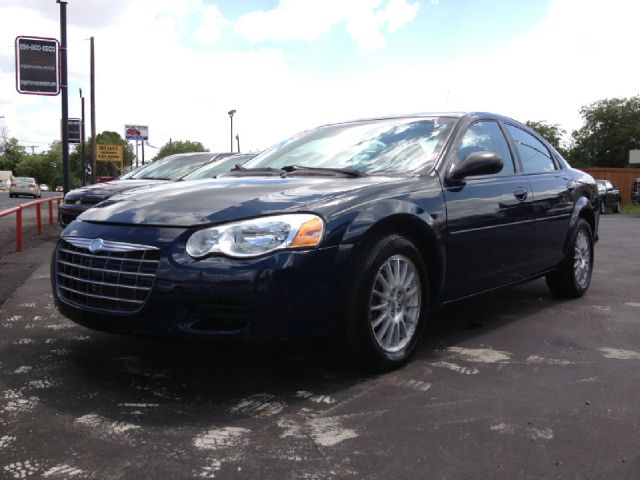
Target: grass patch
x,y
630,209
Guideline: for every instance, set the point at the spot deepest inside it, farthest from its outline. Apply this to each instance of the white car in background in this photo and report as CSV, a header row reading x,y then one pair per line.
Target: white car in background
x,y
44,187
24,186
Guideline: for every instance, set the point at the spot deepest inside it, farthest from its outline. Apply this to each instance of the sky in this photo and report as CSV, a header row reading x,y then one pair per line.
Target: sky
x,y
285,66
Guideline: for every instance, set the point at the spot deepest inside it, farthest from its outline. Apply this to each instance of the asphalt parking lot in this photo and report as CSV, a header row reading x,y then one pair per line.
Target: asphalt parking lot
x,y
512,385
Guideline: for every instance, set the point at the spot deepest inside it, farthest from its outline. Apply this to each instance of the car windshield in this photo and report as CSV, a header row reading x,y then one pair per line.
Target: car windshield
x,y
134,172
390,145
216,168
173,167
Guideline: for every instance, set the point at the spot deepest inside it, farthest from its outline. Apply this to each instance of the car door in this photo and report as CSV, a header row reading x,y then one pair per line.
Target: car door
x,y
552,191
489,218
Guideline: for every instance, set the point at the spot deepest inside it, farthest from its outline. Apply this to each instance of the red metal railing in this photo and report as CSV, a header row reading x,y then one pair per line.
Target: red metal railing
x,y
18,211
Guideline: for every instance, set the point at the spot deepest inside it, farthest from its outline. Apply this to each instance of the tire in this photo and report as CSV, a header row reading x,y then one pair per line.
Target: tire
x,y
603,207
616,209
385,304
572,277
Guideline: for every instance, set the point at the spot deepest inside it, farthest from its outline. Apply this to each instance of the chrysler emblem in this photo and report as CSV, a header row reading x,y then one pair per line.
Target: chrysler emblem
x,y
96,245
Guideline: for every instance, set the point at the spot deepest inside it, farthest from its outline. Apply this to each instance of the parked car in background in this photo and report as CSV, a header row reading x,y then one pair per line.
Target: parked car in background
x,y
635,191
168,169
354,231
59,188
133,172
44,187
214,169
24,186
608,196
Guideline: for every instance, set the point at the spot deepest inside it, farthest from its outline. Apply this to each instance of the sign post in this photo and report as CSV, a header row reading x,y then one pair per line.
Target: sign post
x,y
136,132
75,130
110,153
37,65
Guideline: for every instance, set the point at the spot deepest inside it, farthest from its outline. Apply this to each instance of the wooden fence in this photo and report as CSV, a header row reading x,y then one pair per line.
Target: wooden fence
x,y
620,177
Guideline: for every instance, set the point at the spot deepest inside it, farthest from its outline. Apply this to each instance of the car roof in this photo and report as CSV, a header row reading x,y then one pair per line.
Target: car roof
x,y
457,115
197,154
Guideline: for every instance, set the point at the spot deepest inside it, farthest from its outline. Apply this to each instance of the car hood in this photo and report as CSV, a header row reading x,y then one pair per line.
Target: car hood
x,y
203,202
101,191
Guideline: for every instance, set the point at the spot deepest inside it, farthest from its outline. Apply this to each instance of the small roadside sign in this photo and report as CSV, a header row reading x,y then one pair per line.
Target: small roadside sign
x,y
75,130
109,153
136,132
37,65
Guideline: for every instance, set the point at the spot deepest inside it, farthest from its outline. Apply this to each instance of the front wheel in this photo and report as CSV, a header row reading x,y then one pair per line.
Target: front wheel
x,y
385,304
572,277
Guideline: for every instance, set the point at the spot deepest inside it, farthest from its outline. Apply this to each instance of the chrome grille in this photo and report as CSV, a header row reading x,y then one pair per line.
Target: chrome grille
x,y
105,275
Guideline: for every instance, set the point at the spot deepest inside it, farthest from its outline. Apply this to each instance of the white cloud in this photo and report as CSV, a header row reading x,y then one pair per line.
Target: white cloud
x,y
148,71
308,20
580,52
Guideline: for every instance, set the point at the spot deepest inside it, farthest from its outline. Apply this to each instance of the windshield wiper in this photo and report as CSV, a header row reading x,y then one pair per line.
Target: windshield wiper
x,y
150,178
239,170
323,170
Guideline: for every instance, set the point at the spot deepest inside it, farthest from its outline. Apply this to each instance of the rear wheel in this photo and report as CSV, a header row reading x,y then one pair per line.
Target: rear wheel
x,y
603,207
616,209
572,277
385,305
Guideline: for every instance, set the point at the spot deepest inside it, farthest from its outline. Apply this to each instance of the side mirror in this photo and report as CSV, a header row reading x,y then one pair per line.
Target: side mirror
x,y
477,163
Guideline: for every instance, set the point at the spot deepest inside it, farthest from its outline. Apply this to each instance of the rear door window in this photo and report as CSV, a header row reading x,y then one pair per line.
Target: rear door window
x,y
535,157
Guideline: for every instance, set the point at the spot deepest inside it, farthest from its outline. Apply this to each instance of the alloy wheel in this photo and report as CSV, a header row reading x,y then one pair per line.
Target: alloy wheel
x,y
582,259
395,303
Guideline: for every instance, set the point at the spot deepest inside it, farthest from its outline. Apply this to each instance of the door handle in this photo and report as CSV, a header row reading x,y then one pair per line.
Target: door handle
x,y
520,193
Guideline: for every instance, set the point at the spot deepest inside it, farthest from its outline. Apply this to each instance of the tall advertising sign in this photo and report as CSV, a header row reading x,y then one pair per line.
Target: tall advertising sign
x,y
136,132
75,130
37,65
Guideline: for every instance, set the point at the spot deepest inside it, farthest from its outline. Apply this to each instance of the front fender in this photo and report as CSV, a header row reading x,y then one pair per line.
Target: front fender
x,y
375,213
425,229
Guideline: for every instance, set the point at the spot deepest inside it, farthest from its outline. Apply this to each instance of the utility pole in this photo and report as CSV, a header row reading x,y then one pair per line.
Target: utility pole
x,y
32,147
82,141
65,95
238,141
231,114
93,112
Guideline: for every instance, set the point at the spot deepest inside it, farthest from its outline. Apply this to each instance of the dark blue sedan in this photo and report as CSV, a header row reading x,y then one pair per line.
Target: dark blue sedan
x,y
353,231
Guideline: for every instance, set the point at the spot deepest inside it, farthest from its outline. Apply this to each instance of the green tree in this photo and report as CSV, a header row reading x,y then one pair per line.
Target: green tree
x,y
11,152
186,146
551,132
40,167
611,129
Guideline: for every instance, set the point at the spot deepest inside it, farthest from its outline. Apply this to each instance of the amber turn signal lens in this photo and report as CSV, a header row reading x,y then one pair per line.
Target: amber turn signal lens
x,y
309,234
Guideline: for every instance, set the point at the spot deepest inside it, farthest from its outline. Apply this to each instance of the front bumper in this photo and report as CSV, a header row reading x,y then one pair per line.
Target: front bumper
x,y
68,212
285,295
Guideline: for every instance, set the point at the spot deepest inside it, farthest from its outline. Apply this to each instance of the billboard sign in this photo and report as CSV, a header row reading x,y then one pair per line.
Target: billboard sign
x,y
37,65
75,130
109,153
136,132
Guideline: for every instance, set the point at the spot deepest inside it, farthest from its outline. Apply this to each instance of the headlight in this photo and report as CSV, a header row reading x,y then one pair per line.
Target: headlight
x,y
251,238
